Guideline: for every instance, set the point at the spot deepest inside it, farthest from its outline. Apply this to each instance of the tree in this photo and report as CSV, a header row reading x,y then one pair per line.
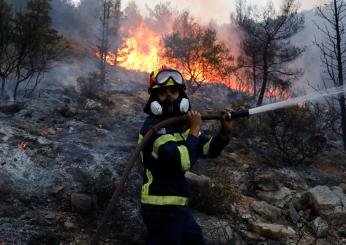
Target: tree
x,y
196,52
266,44
35,42
333,50
110,13
292,133
250,47
161,17
7,57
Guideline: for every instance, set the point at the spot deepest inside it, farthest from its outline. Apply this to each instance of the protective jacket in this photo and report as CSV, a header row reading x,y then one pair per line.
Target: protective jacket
x,y
167,156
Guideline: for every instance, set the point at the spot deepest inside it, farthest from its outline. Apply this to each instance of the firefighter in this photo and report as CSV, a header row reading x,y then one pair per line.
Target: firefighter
x,y
170,153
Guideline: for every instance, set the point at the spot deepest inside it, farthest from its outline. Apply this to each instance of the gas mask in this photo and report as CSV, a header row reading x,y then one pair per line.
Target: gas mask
x,y
170,107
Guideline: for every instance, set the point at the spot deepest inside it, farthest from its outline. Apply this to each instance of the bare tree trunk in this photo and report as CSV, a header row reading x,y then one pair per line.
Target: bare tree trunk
x,y
343,118
15,91
104,39
254,76
3,81
265,77
340,71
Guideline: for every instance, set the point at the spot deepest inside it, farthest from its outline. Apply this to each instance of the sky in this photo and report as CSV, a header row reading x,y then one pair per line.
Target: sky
x,y
218,10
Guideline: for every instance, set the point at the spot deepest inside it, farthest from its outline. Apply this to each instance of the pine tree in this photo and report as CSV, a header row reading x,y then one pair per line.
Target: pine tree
x,y
7,56
333,53
36,43
266,44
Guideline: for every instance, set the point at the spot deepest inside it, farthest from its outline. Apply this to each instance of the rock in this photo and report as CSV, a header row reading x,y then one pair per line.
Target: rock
x,y
68,111
277,198
267,211
234,146
200,181
50,215
340,193
294,215
300,201
343,187
336,216
248,218
266,181
11,108
57,189
69,226
307,214
5,184
251,236
92,105
105,123
47,131
81,203
328,203
342,231
320,227
322,198
215,230
274,231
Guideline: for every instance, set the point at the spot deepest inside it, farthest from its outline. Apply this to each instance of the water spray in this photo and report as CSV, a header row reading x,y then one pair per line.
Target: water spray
x,y
230,116
294,101
283,104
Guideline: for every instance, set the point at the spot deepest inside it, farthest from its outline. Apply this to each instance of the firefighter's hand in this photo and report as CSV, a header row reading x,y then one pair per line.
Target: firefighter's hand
x,y
194,121
226,124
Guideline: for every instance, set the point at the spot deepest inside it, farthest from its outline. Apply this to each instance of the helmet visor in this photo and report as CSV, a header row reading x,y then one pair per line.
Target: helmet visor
x,y
163,76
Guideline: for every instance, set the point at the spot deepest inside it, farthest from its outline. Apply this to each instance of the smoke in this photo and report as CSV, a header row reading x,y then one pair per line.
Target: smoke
x,y
310,60
80,24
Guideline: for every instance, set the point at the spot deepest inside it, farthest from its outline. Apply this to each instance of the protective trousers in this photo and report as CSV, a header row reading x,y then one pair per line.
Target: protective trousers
x,y
171,225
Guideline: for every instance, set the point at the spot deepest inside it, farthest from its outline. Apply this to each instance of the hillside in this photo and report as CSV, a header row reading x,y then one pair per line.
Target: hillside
x,y
62,154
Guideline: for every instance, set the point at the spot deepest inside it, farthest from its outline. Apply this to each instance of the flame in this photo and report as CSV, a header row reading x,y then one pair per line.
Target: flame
x,y
142,48
141,52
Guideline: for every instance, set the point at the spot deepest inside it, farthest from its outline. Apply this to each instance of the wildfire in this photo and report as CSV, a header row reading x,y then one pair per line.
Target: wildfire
x,y
141,53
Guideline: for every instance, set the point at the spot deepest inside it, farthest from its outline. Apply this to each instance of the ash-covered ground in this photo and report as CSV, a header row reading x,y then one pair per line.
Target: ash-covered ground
x,y
61,156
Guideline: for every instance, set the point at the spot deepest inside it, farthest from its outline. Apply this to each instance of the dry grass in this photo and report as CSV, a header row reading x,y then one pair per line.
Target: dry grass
x,y
217,197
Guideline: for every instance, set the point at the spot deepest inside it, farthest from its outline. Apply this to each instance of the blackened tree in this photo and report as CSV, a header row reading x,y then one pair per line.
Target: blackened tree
x,y
7,54
197,52
35,42
109,18
266,44
333,50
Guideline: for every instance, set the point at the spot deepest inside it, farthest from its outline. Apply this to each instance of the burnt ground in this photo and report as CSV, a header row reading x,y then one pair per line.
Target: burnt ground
x,y
61,156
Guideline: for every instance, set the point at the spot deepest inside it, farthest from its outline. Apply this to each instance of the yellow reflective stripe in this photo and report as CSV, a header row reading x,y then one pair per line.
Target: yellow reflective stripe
x,y
159,200
164,200
161,141
184,158
186,133
206,147
178,137
145,187
169,83
140,138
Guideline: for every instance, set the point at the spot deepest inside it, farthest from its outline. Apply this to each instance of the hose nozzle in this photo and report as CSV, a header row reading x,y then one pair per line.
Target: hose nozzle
x,y
237,114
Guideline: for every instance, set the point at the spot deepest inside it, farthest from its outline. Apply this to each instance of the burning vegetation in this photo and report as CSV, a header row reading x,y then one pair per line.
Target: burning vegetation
x,y
62,148
196,50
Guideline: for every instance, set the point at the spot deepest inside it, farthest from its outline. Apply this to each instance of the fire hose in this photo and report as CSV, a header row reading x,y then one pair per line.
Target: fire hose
x,y
134,157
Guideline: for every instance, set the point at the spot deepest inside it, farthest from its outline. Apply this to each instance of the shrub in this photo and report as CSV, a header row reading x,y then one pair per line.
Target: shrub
x,y
216,198
293,133
88,87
